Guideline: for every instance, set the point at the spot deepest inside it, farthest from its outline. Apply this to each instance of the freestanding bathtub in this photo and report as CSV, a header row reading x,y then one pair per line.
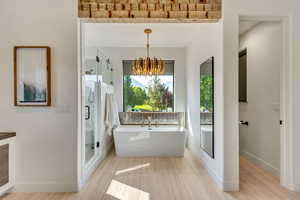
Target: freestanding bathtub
x,y
137,141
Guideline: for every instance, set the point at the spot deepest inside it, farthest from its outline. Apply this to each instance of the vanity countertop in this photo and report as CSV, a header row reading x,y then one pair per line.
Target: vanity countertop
x,y
5,135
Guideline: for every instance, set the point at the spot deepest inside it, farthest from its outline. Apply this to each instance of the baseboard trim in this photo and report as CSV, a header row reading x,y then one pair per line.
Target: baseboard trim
x,y
95,166
218,180
231,186
225,186
296,188
261,163
45,187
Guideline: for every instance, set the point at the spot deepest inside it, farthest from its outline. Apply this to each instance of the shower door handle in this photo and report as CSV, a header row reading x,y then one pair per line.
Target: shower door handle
x,y
88,116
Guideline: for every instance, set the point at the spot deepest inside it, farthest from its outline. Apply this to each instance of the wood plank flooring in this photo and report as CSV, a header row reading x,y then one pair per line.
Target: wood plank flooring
x,y
166,179
257,184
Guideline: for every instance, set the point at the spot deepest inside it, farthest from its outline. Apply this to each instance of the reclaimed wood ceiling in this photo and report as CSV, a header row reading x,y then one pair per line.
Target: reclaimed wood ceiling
x,y
150,9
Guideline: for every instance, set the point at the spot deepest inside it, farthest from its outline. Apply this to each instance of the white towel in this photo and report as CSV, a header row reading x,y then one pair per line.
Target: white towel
x,y
111,115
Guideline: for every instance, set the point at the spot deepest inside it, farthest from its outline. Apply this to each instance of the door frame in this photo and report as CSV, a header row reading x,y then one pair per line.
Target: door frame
x,y
84,170
287,168
286,96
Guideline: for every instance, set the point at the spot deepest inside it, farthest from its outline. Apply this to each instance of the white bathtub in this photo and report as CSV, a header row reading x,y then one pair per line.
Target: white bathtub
x,y
137,141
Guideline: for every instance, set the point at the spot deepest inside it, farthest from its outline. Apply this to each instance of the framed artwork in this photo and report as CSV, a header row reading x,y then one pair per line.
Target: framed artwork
x,y
32,76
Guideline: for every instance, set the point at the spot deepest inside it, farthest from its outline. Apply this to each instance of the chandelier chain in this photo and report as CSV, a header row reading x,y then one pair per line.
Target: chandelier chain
x,y
148,45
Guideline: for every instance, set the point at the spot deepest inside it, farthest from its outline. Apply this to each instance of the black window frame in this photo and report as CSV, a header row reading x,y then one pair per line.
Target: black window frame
x,y
173,91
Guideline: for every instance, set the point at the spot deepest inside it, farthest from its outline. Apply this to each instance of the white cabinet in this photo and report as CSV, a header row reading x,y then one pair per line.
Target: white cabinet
x,y
6,162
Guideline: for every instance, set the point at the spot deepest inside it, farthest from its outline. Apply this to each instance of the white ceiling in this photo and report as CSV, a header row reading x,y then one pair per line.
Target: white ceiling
x,y
246,26
132,35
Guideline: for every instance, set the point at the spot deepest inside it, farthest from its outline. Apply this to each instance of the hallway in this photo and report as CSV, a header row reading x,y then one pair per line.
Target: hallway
x,y
166,179
257,184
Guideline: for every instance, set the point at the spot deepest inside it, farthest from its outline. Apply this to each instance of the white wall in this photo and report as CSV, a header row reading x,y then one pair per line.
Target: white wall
x,y
205,45
231,11
260,141
46,137
118,54
46,152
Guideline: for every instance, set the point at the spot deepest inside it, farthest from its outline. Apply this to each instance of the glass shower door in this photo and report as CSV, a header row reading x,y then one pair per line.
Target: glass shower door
x,y
90,101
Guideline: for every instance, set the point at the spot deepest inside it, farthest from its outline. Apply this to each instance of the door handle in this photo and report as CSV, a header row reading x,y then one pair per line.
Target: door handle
x,y
245,123
88,112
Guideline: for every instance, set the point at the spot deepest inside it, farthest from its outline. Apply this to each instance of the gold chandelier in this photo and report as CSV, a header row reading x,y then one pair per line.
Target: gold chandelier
x,y
148,66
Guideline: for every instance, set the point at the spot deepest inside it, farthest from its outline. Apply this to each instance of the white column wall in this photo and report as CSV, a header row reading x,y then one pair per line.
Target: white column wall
x,y
231,12
205,45
46,136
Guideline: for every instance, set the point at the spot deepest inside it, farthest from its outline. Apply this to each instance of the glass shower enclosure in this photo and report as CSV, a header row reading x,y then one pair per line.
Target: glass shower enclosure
x,y
90,102
90,97
97,69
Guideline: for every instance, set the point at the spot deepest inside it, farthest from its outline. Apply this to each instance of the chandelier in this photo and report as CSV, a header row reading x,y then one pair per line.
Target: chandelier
x,y
148,66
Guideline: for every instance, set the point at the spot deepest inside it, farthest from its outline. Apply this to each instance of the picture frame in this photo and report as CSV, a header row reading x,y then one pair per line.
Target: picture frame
x,y
32,76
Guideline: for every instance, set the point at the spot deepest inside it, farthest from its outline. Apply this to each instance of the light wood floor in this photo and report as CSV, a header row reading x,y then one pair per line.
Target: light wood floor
x,y
166,179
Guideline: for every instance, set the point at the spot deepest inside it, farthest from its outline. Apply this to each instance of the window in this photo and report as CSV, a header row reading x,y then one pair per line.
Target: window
x,y
148,93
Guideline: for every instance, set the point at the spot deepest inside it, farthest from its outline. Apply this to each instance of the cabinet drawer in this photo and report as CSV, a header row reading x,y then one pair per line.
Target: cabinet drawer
x,y
4,164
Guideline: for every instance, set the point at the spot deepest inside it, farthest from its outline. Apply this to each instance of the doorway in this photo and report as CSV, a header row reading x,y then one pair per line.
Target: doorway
x,y
166,43
261,61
